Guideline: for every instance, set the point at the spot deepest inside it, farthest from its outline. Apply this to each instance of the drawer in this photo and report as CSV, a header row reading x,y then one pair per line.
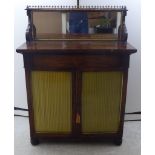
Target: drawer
x,y
76,62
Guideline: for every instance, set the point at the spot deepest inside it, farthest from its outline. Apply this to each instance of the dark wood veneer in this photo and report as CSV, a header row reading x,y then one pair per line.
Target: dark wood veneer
x,y
75,62
76,47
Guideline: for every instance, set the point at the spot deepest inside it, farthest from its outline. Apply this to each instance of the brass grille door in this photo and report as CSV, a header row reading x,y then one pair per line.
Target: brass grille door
x,y
101,101
51,93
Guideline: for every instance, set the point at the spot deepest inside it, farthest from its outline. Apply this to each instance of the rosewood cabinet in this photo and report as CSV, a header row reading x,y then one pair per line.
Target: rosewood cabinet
x,y
76,88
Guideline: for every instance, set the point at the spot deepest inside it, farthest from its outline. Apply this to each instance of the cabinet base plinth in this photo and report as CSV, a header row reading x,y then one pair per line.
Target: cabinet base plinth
x,y
116,141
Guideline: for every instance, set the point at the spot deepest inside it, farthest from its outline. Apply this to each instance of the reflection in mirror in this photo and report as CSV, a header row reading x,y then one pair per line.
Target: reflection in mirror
x,y
57,25
102,22
47,22
92,22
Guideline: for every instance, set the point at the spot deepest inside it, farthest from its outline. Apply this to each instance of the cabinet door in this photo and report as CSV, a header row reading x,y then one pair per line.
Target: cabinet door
x,y
52,101
101,101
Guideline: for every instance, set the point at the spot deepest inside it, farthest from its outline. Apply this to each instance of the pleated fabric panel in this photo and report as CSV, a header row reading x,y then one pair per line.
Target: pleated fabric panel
x,y
101,100
52,100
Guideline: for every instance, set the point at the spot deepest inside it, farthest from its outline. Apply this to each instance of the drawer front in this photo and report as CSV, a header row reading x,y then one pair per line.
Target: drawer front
x,y
78,62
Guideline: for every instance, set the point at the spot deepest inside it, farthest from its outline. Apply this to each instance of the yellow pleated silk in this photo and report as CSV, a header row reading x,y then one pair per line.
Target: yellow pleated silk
x,y
101,99
52,100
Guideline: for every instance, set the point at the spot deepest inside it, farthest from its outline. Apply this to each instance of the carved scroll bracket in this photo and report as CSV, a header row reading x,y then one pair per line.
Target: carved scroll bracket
x,y
122,30
31,30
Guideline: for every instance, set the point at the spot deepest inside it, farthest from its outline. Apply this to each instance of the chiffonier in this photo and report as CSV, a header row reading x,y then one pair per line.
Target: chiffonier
x,y
76,62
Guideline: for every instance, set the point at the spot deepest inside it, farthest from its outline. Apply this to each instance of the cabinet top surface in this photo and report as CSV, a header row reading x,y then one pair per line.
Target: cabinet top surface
x,y
83,47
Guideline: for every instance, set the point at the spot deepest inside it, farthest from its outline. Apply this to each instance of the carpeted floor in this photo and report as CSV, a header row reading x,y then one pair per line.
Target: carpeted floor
x,y
131,143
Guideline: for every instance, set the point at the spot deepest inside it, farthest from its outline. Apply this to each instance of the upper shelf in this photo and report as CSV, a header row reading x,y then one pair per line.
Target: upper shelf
x,y
69,22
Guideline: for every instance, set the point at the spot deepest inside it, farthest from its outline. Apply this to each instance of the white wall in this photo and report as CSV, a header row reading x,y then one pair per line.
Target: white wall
x,y
134,29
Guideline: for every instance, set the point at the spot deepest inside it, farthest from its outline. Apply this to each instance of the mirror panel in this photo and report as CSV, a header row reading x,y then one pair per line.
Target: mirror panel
x,y
66,25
